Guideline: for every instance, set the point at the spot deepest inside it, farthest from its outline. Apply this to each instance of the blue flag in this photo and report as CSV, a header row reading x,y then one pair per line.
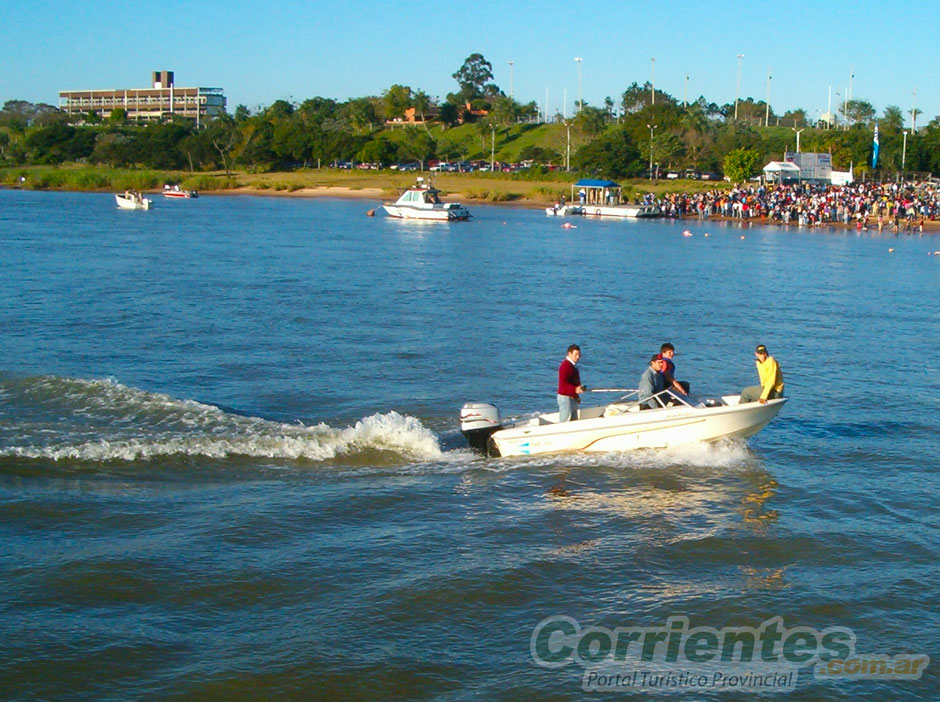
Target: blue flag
x,y
874,153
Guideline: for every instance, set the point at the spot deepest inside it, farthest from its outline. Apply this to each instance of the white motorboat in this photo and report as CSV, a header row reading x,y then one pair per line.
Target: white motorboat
x,y
564,210
422,201
631,211
176,192
132,200
617,426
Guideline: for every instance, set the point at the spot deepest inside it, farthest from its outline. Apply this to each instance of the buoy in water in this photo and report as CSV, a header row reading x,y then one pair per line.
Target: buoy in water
x,y
568,225
686,233
370,213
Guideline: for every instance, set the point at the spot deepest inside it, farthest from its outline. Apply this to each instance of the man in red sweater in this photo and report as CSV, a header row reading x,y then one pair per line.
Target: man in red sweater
x,y
569,385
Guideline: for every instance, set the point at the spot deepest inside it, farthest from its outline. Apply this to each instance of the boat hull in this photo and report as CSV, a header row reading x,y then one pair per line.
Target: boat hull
x,y
125,203
651,429
622,211
437,214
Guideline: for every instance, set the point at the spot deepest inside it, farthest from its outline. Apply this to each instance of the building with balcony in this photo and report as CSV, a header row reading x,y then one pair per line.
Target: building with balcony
x,y
160,101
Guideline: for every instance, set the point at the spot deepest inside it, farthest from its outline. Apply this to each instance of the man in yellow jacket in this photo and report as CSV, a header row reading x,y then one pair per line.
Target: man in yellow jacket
x,y
771,379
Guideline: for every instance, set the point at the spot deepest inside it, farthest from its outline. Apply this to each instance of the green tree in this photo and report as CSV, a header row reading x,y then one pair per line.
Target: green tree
x,y
472,77
224,135
118,116
379,150
361,113
396,100
279,110
242,113
590,121
794,118
418,145
613,155
668,150
893,119
741,164
449,115
858,112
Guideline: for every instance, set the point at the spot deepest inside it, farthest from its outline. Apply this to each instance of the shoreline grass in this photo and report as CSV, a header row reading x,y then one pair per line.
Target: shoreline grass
x,y
479,187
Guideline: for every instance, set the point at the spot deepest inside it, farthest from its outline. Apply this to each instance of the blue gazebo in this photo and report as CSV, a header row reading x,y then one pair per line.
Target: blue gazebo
x,y
596,192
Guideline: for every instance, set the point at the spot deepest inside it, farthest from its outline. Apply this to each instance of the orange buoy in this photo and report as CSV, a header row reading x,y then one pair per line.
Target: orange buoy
x,y
370,213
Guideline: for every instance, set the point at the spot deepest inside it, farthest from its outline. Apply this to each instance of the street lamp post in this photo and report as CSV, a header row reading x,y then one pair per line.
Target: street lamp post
x,y
798,137
903,155
653,80
651,128
767,107
578,60
737,92
511,63
567,146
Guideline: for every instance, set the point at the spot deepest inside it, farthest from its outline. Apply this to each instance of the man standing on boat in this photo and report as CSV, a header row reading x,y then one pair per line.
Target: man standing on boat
x,y
569,385
771,379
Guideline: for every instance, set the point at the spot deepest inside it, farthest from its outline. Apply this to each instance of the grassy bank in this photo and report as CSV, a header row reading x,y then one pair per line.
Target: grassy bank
x,y
481,187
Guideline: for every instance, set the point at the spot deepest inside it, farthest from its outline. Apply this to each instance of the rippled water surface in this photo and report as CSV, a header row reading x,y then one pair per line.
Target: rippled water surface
x,y
230,467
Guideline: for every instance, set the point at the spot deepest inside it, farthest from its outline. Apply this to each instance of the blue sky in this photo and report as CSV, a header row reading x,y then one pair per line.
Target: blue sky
x,y
259,52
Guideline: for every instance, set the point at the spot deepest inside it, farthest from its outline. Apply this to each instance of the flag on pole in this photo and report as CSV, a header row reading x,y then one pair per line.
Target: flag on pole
x,y
874,153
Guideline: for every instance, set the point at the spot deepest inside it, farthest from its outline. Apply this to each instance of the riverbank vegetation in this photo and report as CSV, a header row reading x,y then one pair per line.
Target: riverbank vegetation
x,y
478,124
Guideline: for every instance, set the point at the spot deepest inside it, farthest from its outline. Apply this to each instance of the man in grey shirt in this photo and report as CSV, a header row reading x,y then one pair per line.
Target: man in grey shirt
x,y
651,382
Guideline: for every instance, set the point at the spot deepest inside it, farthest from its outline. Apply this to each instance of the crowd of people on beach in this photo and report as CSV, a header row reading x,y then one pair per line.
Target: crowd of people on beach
x,y
892,206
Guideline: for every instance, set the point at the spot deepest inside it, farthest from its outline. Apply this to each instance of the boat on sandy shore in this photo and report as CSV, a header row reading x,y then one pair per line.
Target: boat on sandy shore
x,y
422,201
132,200
621,425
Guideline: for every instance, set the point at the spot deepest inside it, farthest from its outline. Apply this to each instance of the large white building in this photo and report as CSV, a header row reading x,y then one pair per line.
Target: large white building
x,y
160,101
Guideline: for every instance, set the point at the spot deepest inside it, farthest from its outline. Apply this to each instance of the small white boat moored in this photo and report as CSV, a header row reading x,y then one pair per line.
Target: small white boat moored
x,y
422,201
617,426
559,210
630,211
132,200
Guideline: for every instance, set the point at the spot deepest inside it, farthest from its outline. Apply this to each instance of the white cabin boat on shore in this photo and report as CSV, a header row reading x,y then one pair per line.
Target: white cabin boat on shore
x,y
602,198
422,201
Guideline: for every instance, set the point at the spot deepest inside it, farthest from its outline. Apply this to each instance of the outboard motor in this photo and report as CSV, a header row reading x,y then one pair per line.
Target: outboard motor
x,y
478,421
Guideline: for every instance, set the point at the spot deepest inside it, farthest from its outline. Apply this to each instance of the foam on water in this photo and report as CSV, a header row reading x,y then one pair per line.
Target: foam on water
x,y
721,454
103,420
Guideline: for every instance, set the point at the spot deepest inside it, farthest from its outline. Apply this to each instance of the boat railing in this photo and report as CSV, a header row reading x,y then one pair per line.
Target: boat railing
x,y
662,398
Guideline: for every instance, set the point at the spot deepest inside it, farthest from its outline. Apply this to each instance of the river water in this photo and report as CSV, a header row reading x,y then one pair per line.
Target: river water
x,y
230,466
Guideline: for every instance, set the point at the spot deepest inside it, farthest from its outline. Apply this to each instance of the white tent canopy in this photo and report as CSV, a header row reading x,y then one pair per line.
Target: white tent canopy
x,y
784,168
